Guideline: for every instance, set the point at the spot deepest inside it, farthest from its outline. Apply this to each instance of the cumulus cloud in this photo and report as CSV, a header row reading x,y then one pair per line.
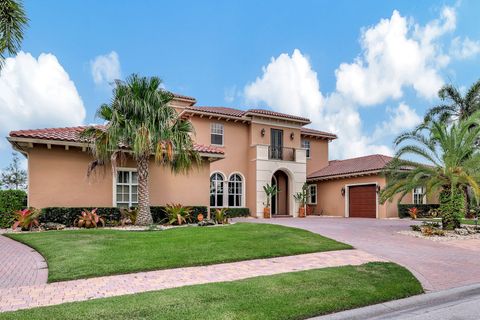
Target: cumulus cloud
x,y
105,68
397,53
400,119
36,93
464,48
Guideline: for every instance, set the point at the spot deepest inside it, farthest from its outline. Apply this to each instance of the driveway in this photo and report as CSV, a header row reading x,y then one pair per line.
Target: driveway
x,y
438,265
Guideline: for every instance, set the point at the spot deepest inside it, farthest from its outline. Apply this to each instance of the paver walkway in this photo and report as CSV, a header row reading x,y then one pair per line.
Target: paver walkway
x,y
438,265
20,265
86,289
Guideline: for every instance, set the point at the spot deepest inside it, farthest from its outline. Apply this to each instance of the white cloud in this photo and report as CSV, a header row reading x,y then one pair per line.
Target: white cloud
x,y
464,48
400,119
397,53
36,93
105,68
230,94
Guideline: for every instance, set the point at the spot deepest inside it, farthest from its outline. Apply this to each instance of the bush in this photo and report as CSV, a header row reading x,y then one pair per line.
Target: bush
x,y
423,209
234,212
68,215
11,201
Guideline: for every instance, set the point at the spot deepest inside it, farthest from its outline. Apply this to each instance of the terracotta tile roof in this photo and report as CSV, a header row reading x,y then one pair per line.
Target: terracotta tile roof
x,y
181,96
339,168
318,133
72,134
277,114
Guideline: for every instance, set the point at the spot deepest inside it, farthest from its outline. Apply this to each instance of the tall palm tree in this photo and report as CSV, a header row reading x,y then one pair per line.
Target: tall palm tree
x,y
13,21
141,124
455,106
449,161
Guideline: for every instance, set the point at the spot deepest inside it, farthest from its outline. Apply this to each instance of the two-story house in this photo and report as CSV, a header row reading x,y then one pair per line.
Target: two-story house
x,y
242,150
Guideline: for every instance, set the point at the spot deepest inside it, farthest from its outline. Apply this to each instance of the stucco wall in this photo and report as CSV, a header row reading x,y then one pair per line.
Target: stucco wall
x,y
57,178
318,155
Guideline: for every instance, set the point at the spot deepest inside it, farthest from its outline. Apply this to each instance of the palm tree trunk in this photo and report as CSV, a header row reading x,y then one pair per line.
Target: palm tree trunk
x,y
467,202
144,217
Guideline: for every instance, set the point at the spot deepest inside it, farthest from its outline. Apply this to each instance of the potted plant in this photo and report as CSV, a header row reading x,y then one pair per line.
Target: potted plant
x,y
270,191
301,197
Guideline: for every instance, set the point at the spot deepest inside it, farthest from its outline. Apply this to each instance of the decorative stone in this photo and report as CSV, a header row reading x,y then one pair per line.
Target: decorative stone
x,y
461,231
53,226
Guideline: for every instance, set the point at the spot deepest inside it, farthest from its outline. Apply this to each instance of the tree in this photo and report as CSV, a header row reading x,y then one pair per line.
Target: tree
x,y
14,177
449,161
13,21
455,106
142,124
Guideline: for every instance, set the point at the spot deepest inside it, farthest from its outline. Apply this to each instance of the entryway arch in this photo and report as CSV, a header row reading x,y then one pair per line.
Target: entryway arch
x,y
281,201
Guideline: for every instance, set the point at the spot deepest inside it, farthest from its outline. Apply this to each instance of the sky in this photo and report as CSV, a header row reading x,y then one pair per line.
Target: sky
x,y
365,70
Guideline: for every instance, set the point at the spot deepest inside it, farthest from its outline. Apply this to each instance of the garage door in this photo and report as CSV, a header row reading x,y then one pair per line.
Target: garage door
x,y
362,201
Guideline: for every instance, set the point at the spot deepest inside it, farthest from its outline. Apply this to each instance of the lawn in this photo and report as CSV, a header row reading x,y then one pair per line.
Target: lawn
x,y
295,295
89,253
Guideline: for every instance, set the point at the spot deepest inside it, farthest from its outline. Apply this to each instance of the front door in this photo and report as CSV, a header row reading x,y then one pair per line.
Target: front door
x,y
276,144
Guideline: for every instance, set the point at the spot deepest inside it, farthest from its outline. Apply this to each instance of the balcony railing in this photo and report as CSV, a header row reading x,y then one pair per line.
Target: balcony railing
x,y
281,153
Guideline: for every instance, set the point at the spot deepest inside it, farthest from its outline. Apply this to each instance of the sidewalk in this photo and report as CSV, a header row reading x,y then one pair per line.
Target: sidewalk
x,y
85,289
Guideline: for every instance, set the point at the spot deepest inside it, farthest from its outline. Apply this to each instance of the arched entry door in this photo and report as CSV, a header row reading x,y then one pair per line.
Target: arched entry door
x,y
280,201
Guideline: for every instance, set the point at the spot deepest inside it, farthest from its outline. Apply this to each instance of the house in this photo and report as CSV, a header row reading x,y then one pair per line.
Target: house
x,y
242,150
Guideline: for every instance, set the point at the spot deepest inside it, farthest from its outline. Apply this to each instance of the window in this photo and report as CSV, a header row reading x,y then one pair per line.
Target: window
x,y
235,190
216,133
306,145
312,194
126,188
419,195
216,190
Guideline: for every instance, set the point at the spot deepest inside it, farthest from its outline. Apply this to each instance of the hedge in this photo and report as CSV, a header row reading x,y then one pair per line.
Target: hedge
x,y
68,215
423,209
235,212
11,201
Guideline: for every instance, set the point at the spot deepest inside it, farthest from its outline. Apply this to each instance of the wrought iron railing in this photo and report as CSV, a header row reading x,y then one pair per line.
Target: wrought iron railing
x,y
281,153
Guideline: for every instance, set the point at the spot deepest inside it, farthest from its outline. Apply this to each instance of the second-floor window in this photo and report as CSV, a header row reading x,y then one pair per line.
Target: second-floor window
x,y
419,195
216,133
306,146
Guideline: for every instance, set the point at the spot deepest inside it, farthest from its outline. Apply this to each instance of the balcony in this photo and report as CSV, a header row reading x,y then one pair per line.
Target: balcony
x,y
281,153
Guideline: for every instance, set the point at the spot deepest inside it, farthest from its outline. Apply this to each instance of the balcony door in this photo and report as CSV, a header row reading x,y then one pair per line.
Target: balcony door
x,y
276,143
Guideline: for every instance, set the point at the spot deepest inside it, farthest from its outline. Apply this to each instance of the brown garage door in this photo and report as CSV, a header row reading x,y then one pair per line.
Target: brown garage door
x,y
362,201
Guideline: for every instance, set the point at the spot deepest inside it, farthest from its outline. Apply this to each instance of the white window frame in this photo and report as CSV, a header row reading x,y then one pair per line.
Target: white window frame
x,y
130,184
414,193
309,200
219,130
242,190
224,194
306,142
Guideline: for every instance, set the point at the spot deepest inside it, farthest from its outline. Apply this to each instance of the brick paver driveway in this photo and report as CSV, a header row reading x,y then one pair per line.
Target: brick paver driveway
x,y
438,265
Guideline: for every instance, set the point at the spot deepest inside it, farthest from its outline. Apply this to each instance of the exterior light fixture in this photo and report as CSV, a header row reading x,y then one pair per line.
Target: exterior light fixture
x,y
343,191
378,189
262,132
292,135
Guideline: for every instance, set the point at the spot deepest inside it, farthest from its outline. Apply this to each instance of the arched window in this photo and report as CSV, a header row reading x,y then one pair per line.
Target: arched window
x,y
216,190
235,191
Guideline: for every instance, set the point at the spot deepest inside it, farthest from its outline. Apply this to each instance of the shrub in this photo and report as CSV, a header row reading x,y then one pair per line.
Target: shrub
x,y
423,209
89,219
413,212
68,215
128,216
26,219
221,215
177,214
234,212
11,201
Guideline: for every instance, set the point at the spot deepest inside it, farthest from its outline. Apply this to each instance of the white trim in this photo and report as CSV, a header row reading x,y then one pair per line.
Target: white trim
x,y
114,180
223,134
347,194
244,194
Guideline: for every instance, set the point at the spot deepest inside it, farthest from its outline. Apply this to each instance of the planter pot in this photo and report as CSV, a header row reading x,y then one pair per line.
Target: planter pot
x,y
266,213
301,212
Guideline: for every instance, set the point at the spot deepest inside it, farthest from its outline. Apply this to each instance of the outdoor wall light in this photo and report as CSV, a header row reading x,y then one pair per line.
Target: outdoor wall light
x,y
262,132
378,189
343,191
292,135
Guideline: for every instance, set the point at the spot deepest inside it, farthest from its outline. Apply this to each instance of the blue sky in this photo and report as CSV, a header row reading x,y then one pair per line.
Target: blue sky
x,y
365,70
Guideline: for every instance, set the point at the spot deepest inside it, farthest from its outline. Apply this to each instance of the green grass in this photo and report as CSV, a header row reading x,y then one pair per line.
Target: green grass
x,y
90,253
296,295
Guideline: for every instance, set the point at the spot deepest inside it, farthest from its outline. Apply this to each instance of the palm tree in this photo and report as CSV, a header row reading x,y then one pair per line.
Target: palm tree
x,y
449,162
13,21
141,124
455,106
